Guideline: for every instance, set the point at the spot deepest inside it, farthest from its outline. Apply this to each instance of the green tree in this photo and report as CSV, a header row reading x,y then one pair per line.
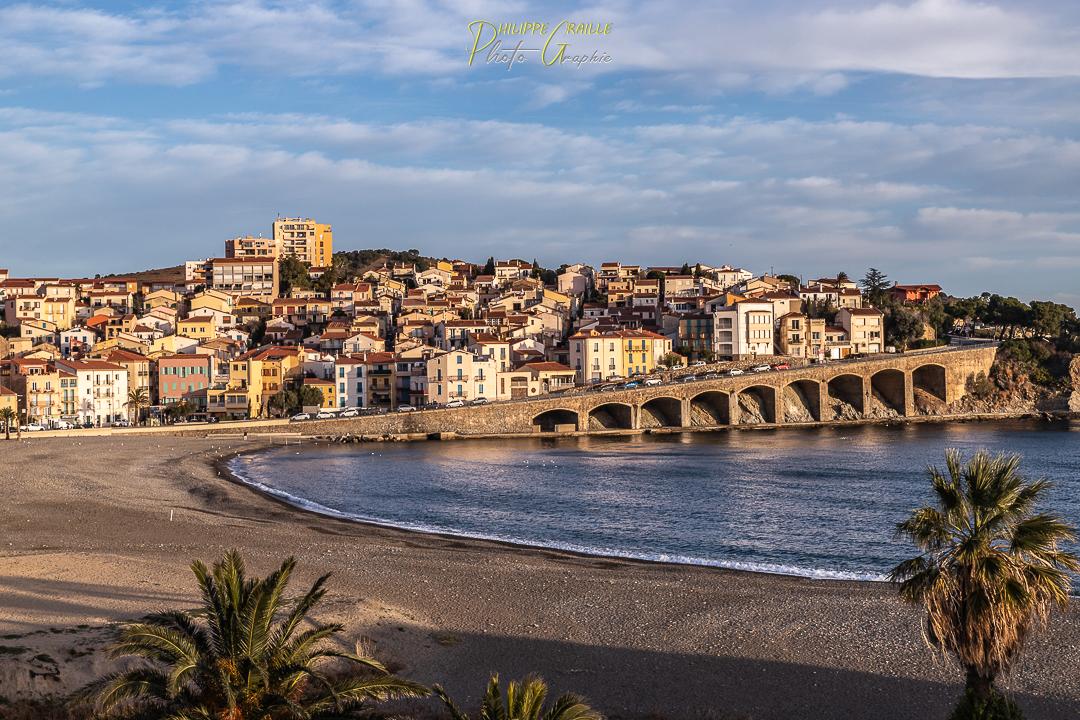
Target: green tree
x,y
489,267
1050,319
523,701
875,285
137,399
902,326
685,269
791,280
293,273
841,276
242,655
990,567
9,417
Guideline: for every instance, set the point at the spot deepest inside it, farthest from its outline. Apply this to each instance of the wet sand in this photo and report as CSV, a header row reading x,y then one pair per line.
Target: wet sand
x,y
86,541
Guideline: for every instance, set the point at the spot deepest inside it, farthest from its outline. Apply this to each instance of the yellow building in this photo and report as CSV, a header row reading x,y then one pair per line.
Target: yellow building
x,y
601,355
326,387
213,300
254,378
864,327
309,241
9,399
199,327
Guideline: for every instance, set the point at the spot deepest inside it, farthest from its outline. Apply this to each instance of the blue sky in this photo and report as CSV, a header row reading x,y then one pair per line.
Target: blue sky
x,y
935,139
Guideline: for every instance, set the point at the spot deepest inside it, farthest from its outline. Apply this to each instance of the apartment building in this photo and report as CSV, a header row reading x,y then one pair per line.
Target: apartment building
x,y
801,336
350,381
305,239
864,327
185,377
743,329
597,355
460,375
102,390
139,371
245,277
37,383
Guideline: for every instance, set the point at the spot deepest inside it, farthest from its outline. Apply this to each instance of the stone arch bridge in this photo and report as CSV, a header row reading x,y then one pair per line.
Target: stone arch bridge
x,y
902,385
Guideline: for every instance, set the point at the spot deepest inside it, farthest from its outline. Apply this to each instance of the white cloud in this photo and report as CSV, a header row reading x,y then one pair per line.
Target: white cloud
x,y
773,45
814,197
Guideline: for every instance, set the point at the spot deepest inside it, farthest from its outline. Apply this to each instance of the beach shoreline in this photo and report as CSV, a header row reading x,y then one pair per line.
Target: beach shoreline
x,y
89,543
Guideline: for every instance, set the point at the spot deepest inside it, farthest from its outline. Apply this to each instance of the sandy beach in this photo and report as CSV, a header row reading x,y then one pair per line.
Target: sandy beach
x,y
94,531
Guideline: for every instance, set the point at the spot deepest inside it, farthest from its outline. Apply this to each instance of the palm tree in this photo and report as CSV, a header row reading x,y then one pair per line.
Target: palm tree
x,y
138,398
9,416
523,701
242,655
991,568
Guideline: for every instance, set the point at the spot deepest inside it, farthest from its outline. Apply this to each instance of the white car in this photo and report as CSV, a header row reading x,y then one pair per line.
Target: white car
x,y
734,372
480,401
406,408
650,382
325,415
32,427
760,368
351,412
299,416
698,363
456,403
62,425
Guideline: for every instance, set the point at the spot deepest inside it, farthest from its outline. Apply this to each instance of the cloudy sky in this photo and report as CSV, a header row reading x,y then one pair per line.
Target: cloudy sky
x,y
935,139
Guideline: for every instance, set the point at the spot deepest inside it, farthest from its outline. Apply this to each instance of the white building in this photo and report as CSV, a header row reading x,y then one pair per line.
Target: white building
x,y
462,375
101,390
78,339
350,382
743,329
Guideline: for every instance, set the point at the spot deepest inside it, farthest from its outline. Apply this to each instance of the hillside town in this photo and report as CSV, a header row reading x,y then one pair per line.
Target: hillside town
x,y
280,325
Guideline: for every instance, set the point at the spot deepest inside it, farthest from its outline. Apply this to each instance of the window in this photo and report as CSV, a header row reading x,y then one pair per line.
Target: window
x,y
459,358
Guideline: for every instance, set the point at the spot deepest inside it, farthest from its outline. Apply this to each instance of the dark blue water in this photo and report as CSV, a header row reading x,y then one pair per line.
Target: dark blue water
x,y
820,503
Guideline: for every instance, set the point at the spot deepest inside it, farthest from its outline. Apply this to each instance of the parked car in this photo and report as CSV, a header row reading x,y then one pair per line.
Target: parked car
x,y
300,416
121,423
651,382
63,425
325,415
631,385
760,368
734,372
688,378
607,388
480,401
87,425
406,408
698,363
31,427
351,412
456,403
781,366
711,376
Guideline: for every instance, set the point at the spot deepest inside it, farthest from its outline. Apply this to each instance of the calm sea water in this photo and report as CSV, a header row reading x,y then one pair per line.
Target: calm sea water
x,y
819,503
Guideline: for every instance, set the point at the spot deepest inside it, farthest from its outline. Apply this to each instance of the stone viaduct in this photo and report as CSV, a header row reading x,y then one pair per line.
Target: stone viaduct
x,y
902,385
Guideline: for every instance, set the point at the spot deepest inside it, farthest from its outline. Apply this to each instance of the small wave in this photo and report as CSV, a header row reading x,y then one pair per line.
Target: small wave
x,y
672,559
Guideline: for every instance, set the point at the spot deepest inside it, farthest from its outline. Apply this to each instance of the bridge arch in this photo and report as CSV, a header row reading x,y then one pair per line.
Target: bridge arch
x,y
757,405
889,387
802,401
710,408
612,416
556,420
661,412
931,379
846,389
